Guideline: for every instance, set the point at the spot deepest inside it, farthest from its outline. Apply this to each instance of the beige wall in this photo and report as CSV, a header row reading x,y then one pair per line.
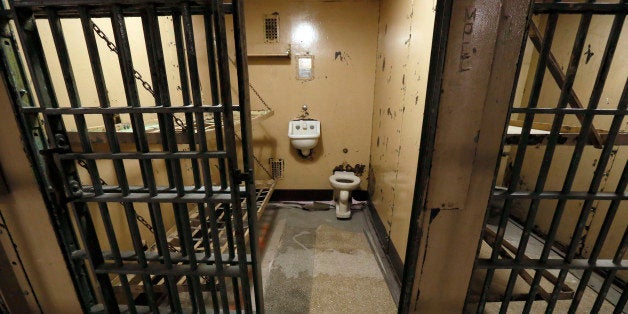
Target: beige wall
x,y
30,226
340,95
561,48
403,56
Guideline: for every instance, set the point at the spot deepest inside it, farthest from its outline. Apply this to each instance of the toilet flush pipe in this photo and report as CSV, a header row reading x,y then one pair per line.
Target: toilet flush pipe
x,y
305,156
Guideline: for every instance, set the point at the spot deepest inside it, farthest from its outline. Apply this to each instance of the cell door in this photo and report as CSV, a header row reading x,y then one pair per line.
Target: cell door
x,y
555,234
136,117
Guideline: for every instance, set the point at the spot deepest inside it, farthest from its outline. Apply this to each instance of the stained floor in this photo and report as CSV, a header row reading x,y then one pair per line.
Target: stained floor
x,y
314,263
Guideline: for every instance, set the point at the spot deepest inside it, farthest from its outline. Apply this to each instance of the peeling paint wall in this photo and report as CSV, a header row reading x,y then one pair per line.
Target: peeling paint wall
x,y
403,56
587,71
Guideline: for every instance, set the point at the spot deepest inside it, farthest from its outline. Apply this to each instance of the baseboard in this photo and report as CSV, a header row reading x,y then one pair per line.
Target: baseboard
x,y
313,195
382,235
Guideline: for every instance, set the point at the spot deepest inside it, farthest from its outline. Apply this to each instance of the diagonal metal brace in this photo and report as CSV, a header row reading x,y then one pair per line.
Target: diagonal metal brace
x,y
559,77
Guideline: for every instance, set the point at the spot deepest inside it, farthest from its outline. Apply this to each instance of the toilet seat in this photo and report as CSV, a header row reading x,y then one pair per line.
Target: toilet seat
x,y
344,180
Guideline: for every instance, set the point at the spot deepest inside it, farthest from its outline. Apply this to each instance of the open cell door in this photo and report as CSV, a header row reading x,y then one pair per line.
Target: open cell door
x,y
140,135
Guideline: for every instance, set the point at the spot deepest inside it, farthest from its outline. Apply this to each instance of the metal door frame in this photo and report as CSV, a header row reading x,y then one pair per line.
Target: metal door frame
x,y
54,159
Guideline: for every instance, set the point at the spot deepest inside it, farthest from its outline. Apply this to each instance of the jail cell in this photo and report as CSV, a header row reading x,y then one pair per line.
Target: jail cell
x,y
556,230
138,112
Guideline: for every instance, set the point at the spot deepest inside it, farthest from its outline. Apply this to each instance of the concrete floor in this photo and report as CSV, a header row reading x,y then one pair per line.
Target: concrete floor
x,y
314,263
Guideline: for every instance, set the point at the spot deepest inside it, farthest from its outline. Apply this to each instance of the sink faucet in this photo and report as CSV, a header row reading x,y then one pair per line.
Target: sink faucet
x,y
304,114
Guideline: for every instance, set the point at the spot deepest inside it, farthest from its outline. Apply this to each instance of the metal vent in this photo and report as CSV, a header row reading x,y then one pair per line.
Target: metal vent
x,y
271,27
276,166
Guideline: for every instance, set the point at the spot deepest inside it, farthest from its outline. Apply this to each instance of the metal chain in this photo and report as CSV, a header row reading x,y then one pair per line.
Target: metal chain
x,y
265,106
112,46
254,90
180,123
255,158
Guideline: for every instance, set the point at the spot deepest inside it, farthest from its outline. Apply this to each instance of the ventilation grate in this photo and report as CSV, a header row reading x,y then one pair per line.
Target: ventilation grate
x,y
271,27
276,166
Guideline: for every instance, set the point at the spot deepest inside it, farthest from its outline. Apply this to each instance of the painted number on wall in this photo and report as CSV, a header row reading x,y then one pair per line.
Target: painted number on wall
x,y
467,35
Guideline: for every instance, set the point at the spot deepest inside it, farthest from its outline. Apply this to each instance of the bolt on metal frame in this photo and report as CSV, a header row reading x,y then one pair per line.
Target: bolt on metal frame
x,y
587,136
232,279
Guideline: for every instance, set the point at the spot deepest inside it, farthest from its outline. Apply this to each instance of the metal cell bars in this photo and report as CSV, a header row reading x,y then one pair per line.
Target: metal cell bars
x,y
517,261
213,279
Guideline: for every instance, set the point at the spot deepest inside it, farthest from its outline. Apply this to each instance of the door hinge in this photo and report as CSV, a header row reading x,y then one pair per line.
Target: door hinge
x,y
56,186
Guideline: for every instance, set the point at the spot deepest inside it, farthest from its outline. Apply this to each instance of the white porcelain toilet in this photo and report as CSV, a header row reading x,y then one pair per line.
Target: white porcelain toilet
x,y
343,183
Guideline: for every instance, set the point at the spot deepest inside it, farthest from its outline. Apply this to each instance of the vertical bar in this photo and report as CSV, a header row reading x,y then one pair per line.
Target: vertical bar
x,y
521,150
137,122
232,161
247,149
574,61
200,124
608,281
603,160
197,102
610,214
189,122
101,90
154,50
66,68
215,92
185,91
218,125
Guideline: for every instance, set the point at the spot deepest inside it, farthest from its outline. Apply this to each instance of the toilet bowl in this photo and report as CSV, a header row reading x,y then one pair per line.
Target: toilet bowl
x,y
343,183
